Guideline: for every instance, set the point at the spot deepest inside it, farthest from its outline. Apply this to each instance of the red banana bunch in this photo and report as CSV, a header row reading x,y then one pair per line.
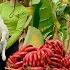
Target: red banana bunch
x,y
51,55
16,60
66,61
37,58
56,46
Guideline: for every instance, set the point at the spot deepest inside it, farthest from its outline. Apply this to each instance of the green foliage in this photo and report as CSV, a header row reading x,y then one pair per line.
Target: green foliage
x,y
67,9
46,18
43,17
60,8
63,32
60,11
36,13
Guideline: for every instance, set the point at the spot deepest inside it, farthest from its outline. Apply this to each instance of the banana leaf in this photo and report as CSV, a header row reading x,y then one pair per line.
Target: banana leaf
x,y
46,19
36,13
34,37
43,17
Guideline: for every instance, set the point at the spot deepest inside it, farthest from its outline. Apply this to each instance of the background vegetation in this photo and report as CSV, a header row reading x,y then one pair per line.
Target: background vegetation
x,y
51,17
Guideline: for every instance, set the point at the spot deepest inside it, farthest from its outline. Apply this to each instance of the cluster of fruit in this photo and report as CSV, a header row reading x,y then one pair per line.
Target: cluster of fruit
x,y
50,56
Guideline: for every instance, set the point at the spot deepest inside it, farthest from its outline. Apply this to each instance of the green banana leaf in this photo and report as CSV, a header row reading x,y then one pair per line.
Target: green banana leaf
x,y
36,13
46,19
34,37
43,17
